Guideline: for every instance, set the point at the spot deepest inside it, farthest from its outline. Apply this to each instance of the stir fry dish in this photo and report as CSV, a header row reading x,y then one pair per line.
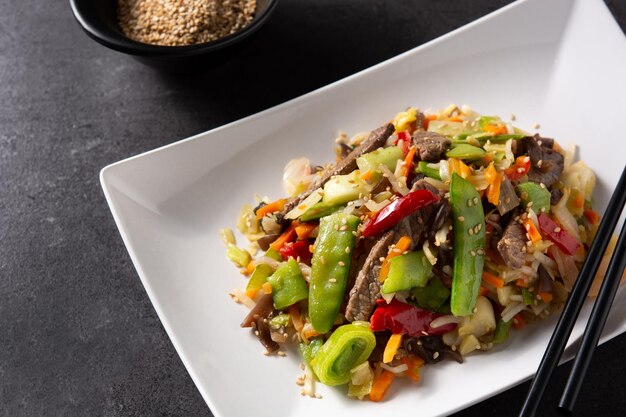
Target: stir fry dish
x,y
429,238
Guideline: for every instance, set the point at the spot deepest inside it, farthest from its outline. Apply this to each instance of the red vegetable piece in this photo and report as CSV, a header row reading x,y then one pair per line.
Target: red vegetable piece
x,y
404,318
298,248
521,168
395,211
557,235
405,137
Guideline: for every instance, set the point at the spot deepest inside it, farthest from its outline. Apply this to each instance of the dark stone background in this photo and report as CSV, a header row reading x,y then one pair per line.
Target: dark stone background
x,y
78,335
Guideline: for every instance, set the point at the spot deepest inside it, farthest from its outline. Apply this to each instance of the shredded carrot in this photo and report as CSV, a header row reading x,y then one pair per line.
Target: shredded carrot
x,y
408,161
495,129
251,292
392,347
592,216
312,248
494,179
307,334
579,201
287,236
518,322
545,296
521,282
493,280
249,268
267,288
458,166
401,245
380,385
304,230
272,207
427,119
532,231
488,158
367,175
455,119
483,291
414,363
294,313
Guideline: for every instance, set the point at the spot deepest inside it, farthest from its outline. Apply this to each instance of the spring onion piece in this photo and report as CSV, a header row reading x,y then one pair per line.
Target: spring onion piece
x,y
537,196
259,277
349,346
467,152
424,167
239,256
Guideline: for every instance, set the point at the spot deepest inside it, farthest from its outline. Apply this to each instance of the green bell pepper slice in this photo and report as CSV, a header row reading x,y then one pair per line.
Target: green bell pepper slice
x,y
467,152
502,331
320,209
330,267
350,345
259,277
288,285
424,168
407,271
531,192
469,245
432,296
274,254
309,350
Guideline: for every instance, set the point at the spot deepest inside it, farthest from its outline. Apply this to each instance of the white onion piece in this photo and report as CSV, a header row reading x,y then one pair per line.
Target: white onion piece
x,y
512,310
306,204
443,320
395,369
297,176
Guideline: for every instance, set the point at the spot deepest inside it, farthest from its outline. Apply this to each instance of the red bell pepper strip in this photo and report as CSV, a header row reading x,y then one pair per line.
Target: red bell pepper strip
x,y
395,211
404,318
299,248
405,137
557,235
519,169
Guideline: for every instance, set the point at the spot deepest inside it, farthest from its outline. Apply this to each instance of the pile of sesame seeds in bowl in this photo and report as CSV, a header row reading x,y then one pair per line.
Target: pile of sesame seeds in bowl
x,y
183,22
430,238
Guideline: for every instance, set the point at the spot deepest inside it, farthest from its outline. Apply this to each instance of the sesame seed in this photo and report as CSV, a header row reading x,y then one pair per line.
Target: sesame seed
x,y
322,260
332,280
302,365
302,392
318,396
536,126
469,202
461,218
539,163
475,200
473,252
347,249
266,353
530,204
256,333
470,231
341,263
557,229
281,353
337,227
381,259
435,355
343,228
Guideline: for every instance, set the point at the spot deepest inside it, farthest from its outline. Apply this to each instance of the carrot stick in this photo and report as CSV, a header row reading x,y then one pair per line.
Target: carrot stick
x,y
408,161
401,245
521,282
287,236
392,347
272,207
532,231
496,130
545,296
251,292
493,280
414,363
367,175
380,385
519,322
303,230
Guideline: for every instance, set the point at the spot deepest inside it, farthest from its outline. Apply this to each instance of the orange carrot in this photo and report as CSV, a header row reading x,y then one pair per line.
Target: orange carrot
x,y
408,161
251,292
272,207
303,230
380,385
521,282
493,280
518,322
392,347
427,119
488,158
401,245
579,201
458,166
483,291
287,236
249,268
545,296
592,216
455,119
532,231
367,175
496,130
414,363
312,248
267,288
494,179
296,319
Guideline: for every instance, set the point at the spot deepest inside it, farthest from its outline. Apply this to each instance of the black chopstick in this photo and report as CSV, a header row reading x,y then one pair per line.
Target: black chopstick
x,y
574,303
596,322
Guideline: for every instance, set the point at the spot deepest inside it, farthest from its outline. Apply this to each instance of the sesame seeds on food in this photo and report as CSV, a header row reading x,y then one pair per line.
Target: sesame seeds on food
x,y
183,22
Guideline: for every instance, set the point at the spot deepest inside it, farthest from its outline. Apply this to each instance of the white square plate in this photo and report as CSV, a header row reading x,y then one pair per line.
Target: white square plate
x,y
558,63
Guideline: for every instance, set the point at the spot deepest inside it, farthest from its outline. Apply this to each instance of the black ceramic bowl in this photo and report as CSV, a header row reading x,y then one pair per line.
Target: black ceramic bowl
x,y
98,18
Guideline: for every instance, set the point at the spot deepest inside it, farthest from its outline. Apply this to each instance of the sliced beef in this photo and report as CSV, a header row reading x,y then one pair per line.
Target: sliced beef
x,y
546,164
512,245
508,197
422,223
419,122
442,214
367,287
375,140
430,145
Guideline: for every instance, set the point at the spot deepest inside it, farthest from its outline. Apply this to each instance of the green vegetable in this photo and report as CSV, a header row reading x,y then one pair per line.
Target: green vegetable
x,y
484,137
329,268
427,169
320,209
469,245
527,296
386,156
259,277
309,350
483,121
343,188
288,285
407,271
237,255
432,296
447,128
465,151
531,192
502,331
274,254
349,346
279,321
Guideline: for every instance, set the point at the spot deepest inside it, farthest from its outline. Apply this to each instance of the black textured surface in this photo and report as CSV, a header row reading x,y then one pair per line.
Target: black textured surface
x,y
78,335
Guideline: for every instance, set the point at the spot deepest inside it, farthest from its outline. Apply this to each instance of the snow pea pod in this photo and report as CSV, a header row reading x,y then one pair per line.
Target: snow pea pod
x,y
330,267
469,245
288,285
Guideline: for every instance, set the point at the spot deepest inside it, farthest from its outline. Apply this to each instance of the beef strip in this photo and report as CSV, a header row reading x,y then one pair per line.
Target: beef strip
x,y
375,140
508,198
430,145
546,164
367,287
512,245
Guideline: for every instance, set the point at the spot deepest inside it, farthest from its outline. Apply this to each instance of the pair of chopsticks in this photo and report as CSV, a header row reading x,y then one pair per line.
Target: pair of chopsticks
x,y
572,308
